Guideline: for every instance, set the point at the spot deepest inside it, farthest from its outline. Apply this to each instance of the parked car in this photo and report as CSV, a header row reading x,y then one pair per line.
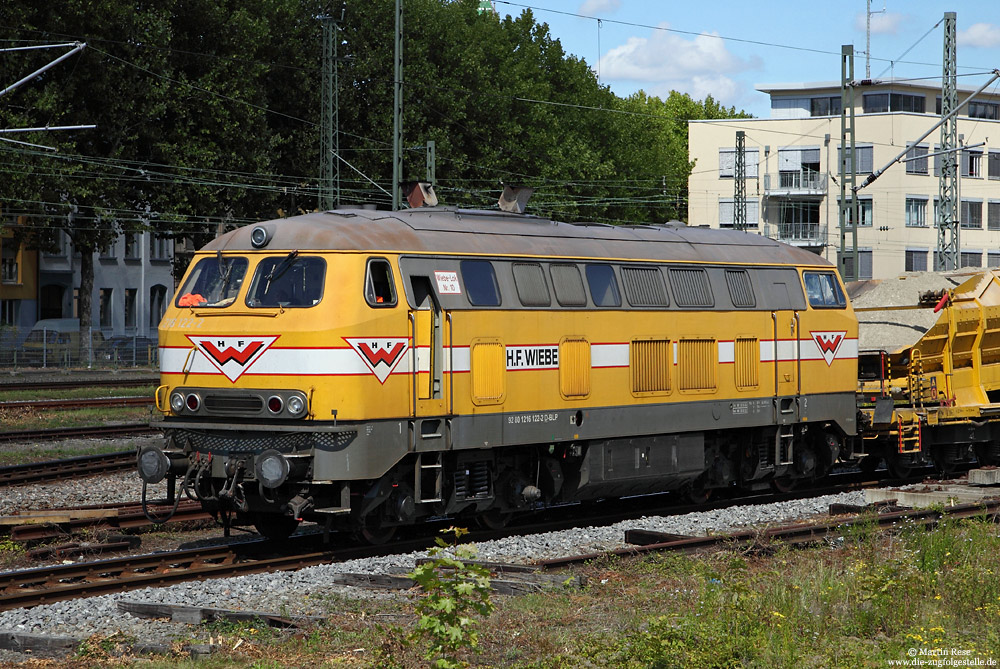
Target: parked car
x,y
55,341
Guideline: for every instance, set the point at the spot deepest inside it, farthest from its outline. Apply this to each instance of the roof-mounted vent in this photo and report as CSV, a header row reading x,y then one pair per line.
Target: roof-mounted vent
x,y
515,198
420,194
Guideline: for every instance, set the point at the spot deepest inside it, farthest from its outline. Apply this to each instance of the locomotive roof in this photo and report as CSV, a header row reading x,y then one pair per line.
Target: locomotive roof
x,y
447,230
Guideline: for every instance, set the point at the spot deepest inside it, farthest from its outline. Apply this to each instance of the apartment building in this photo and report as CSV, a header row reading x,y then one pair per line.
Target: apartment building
x,y
132,284
792,172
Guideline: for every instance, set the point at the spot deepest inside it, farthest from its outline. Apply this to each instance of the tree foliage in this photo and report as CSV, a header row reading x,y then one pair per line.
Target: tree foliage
x,y
208,116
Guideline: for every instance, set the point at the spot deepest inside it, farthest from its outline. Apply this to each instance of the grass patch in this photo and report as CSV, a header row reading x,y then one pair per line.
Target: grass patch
x,y
34,419
22,454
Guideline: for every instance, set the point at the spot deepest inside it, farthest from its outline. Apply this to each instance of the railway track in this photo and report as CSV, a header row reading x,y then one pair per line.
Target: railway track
x,y
62,582
647,542
96,431
52,470
82,403
64,521
73,384
44,585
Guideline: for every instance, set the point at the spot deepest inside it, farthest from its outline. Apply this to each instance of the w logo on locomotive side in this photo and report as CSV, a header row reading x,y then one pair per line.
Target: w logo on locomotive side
x,y
232,355
381,356
828,344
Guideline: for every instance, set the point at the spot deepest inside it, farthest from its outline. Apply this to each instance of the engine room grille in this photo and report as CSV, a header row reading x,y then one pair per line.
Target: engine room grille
x,y
574,367
696,363
650,361
234,403
747,363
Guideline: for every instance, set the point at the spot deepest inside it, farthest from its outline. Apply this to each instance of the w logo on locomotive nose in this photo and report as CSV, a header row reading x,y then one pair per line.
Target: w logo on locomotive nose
x,y
828,344
381,356
232,355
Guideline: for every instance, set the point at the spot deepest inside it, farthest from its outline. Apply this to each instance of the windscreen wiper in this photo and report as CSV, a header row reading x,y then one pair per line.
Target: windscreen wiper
x,y
279,269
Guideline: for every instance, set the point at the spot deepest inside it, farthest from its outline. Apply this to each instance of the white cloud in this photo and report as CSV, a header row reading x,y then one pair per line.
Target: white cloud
x,y
591,7
887,23
980,34
666,56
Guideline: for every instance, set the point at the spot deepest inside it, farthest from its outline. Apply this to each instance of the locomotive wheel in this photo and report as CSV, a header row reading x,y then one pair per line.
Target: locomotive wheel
x,y
494,519
376,533
899,466
275,527
988,455
784,484
697,494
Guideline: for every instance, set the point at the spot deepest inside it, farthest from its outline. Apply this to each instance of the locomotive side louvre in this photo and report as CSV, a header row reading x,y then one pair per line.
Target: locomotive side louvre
x,y
451,361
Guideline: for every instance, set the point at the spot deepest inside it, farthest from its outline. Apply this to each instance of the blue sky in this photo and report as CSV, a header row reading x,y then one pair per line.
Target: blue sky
x,y
726,47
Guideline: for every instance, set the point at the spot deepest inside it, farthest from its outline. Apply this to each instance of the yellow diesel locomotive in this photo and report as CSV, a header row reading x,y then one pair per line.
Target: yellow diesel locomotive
x,y
368,369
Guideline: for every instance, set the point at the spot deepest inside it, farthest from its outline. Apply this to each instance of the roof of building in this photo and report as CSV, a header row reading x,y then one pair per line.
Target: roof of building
x,y
894,83
448,230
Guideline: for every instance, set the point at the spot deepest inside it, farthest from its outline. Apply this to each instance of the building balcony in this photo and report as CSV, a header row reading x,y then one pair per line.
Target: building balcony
x,y
806,235
795,184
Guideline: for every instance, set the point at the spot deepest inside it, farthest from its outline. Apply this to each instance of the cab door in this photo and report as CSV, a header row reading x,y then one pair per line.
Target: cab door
x,y
787,354
429,390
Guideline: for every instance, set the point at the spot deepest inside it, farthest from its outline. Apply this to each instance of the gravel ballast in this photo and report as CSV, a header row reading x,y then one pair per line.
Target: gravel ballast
x,y
295,592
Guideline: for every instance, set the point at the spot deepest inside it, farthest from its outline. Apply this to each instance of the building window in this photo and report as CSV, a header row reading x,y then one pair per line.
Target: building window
x,y
863,159
798,221
157,305
108,250
916,212
864,262
133,245
993,258
916,260
10,261
60,246
972,215
106,313
916,159
866,212
825,106
8,311
993,165
993,215
130,307
798,167
875,103
159,247
987,110
972,259
727,213
727,162
972,164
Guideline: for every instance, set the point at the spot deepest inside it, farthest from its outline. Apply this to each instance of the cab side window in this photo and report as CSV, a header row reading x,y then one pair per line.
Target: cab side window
x,y
380,289
823,290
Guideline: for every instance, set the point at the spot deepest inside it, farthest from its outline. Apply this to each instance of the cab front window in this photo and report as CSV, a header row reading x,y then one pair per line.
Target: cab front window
x,y
214,282
823,290
287,281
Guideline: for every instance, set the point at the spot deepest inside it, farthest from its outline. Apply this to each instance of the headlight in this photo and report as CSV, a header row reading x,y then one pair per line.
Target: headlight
x,y
153,464
271,468
259,237
275,404
177,402
193,402
296,405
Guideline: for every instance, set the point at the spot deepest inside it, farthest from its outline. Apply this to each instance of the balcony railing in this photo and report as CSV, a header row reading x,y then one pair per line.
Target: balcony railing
x,y
798,232
796,183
